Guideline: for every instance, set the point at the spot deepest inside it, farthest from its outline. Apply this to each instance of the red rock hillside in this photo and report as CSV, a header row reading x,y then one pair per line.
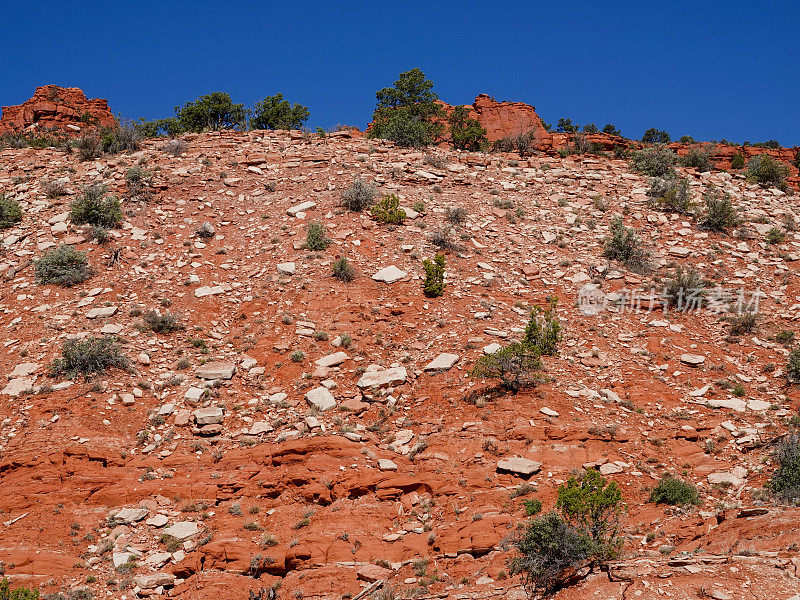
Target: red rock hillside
x,y
56,108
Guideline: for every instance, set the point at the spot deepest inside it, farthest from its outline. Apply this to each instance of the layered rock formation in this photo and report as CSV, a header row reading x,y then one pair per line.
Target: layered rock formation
x,y
507,119
56,108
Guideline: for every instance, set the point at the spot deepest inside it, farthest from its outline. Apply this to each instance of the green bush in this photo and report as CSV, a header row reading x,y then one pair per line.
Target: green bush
x,y
53,188
170,127
785,481
213,111
457,215
697,158
532,507
20,593
89,356
466,133
687,139
165,322
670,194
10,212
685,290
550,551
524,143
742,323
94,207
124,136
720,213
343,270
776,235
516,366
737,162
63,266
138,181
765,170
593,506
504,144
656,136
673,491
772,144
433,286
655,162
89,147
610,129
273,112
359,195
543,334
554,547
316,238
793,365
388,211
407,113
175,146
623,245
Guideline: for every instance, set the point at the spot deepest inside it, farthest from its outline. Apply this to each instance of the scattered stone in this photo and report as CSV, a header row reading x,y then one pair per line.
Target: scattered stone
x,y
389,274
216,370
131,515
693,360
106,311
321,399
383,377
23,370
208,416
370,573
16,386
287,268
183,530
443,362
332,360
301,208
155,580
157,521
207,290
519,466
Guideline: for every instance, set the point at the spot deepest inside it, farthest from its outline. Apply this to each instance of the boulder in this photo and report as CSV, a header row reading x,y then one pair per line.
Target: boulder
x,y
519,466
693,360
286,268
384,464
332,360
389,274
16,386
23,370
370,573
383,377
321,398
154,580
208,416
183,530
216,370
443,362
131,515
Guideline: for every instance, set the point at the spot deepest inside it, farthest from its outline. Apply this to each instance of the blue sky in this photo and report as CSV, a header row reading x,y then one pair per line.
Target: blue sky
x,y
705,68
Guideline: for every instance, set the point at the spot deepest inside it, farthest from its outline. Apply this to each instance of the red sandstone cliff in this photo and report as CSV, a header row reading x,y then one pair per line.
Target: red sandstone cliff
x,y
56,108
504,119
